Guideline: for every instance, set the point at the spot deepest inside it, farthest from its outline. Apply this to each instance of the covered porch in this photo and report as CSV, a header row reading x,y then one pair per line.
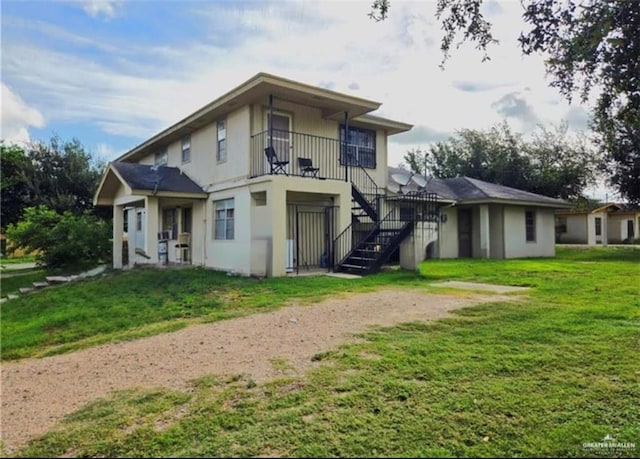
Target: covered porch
x,y
154,210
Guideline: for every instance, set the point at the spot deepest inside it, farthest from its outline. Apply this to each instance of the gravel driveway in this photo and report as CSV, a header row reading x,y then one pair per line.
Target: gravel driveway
x,y
38,393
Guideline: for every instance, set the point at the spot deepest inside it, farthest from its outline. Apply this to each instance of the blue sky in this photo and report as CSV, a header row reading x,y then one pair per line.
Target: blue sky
x,y
113,73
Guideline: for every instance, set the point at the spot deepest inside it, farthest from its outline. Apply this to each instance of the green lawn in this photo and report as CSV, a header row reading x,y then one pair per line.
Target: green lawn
x,y
533,378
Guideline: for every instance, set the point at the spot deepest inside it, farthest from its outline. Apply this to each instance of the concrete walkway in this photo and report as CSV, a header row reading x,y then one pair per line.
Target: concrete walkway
x,y
16,266
478,286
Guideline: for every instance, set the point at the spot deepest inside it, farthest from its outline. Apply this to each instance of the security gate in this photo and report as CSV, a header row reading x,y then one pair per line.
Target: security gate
x,y
310,233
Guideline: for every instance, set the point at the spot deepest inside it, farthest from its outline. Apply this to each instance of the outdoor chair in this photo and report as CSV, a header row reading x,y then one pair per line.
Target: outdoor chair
x,y
183,248
277,166
306,167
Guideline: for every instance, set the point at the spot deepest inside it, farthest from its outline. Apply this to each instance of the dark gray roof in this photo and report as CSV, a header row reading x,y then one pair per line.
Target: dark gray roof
x,y
466,189
161,178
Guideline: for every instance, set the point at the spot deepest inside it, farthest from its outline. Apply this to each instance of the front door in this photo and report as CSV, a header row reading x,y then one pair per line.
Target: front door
x,y
141,223
281,137
464,233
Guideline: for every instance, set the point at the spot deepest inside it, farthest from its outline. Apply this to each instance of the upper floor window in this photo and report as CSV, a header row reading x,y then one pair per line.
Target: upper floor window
x,y
224,227
221,154
361,147
186,149
530,225
161,158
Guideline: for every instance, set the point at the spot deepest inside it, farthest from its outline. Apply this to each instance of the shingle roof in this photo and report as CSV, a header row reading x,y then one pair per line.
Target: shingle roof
x,y
466,189
161,178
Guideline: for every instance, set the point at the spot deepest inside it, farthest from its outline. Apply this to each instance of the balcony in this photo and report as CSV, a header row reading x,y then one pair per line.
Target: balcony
x,y
326,154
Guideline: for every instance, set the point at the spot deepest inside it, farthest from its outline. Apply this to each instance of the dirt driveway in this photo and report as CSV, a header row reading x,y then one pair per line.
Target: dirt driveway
x,y
38,393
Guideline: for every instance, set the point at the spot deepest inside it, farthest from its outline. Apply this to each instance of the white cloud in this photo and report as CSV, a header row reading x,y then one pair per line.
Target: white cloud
x,y
97,8
141,90
17,117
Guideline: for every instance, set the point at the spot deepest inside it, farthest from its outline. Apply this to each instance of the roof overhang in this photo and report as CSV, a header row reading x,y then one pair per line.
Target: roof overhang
x,y
390,126
333,105
112,180
514,202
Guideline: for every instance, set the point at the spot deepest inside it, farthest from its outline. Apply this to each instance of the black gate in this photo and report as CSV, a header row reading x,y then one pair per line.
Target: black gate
x,y
310,234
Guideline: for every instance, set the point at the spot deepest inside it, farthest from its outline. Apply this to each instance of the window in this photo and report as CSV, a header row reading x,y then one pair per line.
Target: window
x,y
186,149
530,225
221,154
598,226
161,158
361,147
224,219
630,229
561,225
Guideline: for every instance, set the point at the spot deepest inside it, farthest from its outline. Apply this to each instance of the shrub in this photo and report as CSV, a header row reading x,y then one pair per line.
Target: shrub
x,y
62,239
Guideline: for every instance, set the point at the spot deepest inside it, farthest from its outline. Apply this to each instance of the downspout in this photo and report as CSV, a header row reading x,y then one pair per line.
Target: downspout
x,y
270,123
270,120
346,140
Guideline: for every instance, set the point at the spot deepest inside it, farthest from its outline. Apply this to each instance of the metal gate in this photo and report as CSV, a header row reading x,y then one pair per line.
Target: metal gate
x,y
310,234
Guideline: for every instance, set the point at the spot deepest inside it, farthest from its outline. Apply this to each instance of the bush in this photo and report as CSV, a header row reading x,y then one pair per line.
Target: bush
x,y
62,239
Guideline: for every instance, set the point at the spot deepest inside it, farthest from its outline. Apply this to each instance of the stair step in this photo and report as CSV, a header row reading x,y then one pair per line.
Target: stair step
x,y
12,296
52,279
26,289
40,284
349,266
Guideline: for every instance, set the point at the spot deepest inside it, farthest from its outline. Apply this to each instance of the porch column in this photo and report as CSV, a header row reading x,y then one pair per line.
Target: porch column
x,y
131,236
485,244
605,229
151,238
118,227
277,199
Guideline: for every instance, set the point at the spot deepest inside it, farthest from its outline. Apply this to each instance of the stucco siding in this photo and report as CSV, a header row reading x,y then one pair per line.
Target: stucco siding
x,y
448,234
231,255
516,245
576,229
496,231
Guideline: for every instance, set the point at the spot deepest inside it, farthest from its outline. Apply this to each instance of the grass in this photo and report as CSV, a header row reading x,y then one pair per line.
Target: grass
x,y
16,260
132,304
534,378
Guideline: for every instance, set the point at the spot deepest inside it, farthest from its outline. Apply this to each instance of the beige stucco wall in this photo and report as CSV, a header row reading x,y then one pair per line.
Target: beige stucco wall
x,y
413,248
448,234
496,230
259,245
515,244
576,229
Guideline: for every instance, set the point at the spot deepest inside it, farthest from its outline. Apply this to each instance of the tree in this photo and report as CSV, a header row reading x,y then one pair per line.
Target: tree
x,y
592,47
59,175
62,239
550,164
13,184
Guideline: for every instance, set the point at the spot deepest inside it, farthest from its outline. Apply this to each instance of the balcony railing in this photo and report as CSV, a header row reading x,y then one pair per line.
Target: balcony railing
x,y
331,157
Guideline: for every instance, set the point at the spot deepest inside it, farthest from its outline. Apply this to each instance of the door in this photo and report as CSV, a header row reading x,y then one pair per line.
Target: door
x,y
141,224
464,233
598,222
281,138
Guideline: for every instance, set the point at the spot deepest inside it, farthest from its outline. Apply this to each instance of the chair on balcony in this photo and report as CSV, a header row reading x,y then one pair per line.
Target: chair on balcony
x,y
277,166
306,167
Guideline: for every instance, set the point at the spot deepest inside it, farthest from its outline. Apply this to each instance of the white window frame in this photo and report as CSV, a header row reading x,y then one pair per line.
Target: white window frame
x,y
161,158
186,149
224,220
221,143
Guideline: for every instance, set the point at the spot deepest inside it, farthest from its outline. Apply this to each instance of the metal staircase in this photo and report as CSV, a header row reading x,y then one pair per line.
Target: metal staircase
x,y
371,251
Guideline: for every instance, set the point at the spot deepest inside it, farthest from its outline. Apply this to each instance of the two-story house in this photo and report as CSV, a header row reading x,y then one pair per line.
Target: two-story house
x,y
275,176
211,175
